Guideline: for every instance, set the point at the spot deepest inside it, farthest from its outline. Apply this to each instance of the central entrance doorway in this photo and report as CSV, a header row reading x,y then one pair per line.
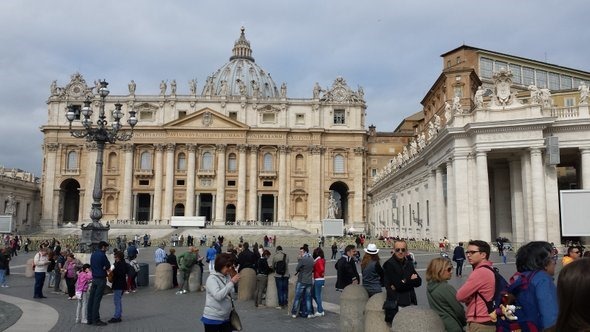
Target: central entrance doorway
x,y
267,208
144,202
206,206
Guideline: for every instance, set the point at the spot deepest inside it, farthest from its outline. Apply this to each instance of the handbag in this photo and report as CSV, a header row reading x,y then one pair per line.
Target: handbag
x,y
234,318
110,276
391,307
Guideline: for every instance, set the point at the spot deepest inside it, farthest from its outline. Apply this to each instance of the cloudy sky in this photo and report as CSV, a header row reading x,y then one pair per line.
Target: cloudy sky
x,y
390,48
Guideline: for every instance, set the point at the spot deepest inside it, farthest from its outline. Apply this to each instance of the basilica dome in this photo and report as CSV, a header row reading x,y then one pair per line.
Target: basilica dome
x,y
241,76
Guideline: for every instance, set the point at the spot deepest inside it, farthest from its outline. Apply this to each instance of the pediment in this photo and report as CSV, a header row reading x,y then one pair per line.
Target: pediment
x,y
206,118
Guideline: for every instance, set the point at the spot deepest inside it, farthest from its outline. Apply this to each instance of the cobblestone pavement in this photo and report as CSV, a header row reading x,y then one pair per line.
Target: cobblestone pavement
x,y
151,310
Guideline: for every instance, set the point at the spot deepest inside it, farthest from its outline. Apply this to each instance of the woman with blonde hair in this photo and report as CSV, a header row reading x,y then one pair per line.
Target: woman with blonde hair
x,y
372,270
441,295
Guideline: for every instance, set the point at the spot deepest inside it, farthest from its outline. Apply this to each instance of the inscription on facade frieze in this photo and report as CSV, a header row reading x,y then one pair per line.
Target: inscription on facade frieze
x,y
197,134
267,136
507,136
299,137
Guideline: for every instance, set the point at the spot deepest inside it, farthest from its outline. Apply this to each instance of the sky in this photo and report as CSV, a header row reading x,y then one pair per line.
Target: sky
x,y
391,48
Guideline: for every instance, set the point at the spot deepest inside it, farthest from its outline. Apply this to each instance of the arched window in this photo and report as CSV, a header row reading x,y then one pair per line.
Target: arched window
x,y
207,161
112,161
232,162
267,162
72,162
145,161
179,210
181,162
338,164
299,165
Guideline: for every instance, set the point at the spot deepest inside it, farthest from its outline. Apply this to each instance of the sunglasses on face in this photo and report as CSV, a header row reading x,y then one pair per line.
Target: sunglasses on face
x,y
400,249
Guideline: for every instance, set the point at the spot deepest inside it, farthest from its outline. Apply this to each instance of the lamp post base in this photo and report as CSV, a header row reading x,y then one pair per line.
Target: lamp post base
x,y
93,234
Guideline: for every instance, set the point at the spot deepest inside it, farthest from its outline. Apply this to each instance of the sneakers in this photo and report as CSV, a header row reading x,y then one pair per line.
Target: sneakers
x,y
115,320
278,307
319,314
293,316
5,286
182,291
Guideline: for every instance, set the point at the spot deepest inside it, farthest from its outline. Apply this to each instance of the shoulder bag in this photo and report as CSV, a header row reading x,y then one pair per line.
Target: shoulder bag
x,y
234,318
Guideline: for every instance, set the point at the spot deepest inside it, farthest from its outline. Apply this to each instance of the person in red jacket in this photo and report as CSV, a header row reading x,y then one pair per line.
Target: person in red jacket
x,y
481,281
319,268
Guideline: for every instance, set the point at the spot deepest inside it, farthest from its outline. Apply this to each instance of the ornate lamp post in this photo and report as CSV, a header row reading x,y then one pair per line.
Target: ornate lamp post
x,y
100,133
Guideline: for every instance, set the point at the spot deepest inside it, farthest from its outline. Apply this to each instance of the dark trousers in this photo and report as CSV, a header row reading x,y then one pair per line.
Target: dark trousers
x,y
71,283
174,276
282,289
39,281
459,269
225,327
96,292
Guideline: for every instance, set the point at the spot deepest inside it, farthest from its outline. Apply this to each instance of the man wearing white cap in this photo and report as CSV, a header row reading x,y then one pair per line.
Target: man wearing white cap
x,y
372,270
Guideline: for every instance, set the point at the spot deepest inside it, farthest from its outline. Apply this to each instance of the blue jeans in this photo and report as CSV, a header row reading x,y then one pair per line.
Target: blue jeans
x,y
317,294
302,290
39,281
117,295
282,289
96,292
2,277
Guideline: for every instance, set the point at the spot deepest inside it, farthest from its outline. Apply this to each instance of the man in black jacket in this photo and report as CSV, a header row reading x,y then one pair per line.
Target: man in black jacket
x,y
346,272
247,258
400,279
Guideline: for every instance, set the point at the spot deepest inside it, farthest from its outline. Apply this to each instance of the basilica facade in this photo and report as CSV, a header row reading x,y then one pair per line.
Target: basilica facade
x,y
239,150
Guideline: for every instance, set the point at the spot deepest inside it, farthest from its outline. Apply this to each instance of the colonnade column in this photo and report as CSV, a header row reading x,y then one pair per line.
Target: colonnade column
x,y
427,222
190,180
441,213
158,182
451,203
282,199
483,197
220,203
253,187
461,183
516,201
585,154
525,168
126,198
90,174
241,208
48,198
169,189
539,203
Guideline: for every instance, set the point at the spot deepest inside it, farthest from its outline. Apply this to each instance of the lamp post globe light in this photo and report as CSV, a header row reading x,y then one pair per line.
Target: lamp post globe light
x,y
101,133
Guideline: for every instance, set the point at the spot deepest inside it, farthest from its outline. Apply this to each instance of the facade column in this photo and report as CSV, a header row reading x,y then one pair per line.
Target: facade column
x,y
441,212
282,198
525,167
585,152
198,205
90,174
539,202
125,198
359,189
253,187
451,203
169,188
483,197
190,181
516,201
48,198
220,204
259,204
552,204
241,208
315,198
158,182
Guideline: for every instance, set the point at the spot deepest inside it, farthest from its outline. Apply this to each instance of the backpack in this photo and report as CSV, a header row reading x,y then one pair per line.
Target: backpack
x,y
281,266
262,266
499,290
518,310
131,272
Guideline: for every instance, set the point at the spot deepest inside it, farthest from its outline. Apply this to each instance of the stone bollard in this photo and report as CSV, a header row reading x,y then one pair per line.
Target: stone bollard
x,y
414,318
163,278
272,299
194,279
374,314
29,272
352,308
247,284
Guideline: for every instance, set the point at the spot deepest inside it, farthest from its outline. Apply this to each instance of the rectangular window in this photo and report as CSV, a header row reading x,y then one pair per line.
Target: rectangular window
x,y
300,119
554,81
144,182
181,114
516,74
77,109
146,115
566,82
486,67
233,115
541,76
268,118
528,76
180,182
458,91
339,117
498,65
373,171
569,102
267,183
231,183
577,83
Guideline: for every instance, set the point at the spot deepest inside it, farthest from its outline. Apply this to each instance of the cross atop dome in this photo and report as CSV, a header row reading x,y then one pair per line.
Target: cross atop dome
x,y
242,48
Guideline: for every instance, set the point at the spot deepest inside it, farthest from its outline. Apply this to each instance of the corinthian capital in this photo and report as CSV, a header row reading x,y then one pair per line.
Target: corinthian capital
x,y
52,147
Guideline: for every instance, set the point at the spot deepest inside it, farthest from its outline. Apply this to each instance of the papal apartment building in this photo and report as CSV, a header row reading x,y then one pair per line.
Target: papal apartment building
x,y
239,149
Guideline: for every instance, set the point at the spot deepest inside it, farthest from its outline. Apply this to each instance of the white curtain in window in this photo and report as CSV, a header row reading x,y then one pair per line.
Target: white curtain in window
x,y
338,163
232,164
268,162
72,160
181,162
146,160
207,161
